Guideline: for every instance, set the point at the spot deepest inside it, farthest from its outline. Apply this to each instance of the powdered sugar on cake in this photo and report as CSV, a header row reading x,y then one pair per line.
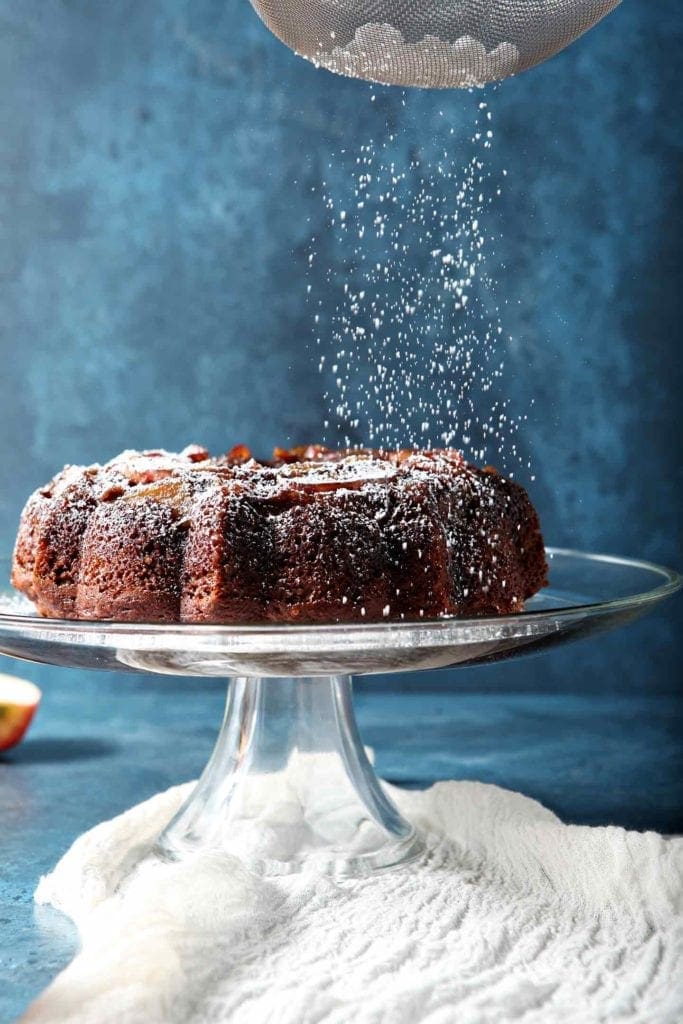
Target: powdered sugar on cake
x,y
310,536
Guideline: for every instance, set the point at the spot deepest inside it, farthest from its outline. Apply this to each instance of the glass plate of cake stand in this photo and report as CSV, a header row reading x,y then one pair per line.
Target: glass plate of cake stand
x,y
289,786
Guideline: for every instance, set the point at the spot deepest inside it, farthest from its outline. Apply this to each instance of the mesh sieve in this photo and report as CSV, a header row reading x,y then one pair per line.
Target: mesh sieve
x,y
434,43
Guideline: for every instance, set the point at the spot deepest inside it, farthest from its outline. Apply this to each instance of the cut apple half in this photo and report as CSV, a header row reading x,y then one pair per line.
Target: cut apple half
x,y
19,700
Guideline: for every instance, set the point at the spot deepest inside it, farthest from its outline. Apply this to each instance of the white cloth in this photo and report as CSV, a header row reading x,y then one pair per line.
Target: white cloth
x,y
514,916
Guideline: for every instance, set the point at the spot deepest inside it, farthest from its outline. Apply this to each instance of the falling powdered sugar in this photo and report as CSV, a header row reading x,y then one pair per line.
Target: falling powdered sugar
x,y
413,350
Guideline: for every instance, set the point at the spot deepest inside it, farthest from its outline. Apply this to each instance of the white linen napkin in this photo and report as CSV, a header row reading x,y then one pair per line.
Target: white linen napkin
x,y
512,916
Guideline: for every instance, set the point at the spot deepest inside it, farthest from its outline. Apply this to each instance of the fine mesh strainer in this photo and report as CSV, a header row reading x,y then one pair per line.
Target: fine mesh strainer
x,y
430,43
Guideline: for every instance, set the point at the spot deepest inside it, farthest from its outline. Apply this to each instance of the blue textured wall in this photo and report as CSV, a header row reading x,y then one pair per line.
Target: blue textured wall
x,y
157,165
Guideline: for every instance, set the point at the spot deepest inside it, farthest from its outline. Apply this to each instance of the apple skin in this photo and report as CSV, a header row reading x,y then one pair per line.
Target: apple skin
x,y
19,700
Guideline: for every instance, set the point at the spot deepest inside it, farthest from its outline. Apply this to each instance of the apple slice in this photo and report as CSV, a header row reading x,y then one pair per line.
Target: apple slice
x,y
19,700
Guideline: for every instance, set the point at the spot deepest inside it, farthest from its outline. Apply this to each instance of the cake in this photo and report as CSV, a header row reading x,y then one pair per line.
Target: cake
x,y
311,536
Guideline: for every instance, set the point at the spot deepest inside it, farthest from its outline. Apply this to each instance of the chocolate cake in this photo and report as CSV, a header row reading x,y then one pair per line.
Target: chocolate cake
x,y
310,536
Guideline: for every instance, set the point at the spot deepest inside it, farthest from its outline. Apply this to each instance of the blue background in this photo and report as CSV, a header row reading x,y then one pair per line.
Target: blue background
x,y
157,163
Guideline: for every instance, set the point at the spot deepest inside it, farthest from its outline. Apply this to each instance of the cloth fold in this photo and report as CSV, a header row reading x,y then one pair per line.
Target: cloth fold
x,y
510,916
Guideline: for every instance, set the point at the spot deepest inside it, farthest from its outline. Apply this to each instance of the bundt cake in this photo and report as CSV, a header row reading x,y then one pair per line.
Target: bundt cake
x,y
310,536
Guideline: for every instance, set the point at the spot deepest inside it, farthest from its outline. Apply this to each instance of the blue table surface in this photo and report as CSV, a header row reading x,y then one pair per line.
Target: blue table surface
x,y
102,742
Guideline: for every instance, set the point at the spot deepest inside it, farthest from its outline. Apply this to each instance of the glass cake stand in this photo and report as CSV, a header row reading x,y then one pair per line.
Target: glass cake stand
x,y
289,785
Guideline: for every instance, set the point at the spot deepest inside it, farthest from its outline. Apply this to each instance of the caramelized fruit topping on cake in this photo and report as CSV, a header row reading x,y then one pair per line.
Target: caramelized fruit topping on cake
x,y
313,535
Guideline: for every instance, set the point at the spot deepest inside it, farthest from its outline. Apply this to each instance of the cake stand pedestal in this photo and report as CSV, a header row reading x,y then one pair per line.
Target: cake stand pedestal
x,y
289,786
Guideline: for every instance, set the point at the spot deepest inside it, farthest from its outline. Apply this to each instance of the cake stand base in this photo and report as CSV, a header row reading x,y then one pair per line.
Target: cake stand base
x,y
289,786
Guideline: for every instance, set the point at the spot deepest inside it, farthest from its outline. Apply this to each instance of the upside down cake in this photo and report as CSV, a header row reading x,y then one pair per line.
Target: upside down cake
x,y
313,535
